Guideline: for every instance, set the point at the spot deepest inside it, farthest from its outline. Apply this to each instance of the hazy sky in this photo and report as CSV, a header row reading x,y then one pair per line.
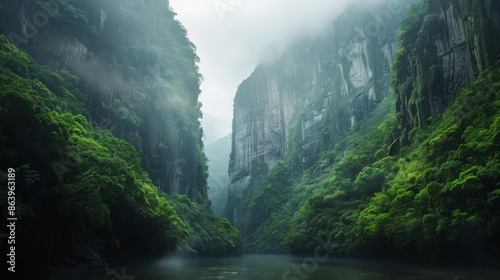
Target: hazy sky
x,y
233,36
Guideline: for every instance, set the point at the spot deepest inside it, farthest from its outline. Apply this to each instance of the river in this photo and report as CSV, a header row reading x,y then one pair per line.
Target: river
x,y
272,267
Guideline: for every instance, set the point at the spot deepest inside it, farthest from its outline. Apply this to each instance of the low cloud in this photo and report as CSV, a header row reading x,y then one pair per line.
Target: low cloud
x,y
233,36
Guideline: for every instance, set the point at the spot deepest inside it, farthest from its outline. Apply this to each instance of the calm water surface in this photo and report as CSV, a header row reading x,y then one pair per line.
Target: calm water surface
x,y
258,267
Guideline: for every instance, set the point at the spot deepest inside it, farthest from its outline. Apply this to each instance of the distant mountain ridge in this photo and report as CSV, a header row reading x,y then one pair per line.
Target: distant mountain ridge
x,y
218,178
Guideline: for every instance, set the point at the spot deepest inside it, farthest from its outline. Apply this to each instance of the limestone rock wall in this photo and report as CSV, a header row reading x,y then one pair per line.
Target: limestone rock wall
x,y
302,103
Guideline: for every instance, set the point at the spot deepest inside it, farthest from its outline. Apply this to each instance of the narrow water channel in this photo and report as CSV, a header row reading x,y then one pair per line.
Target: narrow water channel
x,y
271,267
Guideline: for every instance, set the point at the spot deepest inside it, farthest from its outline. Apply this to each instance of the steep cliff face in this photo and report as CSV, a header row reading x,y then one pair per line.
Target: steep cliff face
x,y
118,69
298,106
445,45
329,164
137,71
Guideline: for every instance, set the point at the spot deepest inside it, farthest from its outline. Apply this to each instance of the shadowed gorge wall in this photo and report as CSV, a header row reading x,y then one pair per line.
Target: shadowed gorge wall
x,y
138,76
99,121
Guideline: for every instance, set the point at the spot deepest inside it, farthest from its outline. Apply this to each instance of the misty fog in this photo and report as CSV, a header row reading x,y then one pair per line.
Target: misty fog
x,y
231,39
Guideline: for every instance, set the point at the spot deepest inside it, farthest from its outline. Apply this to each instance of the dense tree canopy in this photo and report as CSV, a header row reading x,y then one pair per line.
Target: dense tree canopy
x,y
406,182
80,188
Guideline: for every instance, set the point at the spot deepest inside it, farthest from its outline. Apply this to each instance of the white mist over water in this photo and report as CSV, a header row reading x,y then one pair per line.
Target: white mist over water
x,y
276,267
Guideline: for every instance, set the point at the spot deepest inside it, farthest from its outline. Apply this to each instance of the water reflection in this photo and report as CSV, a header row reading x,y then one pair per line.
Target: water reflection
x,y
246,267
259,267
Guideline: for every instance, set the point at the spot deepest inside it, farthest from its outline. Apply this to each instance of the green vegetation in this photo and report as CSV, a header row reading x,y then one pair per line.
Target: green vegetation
x,y
102,191
81,189
138,74
409,181
208,235
434,199
157,97
418,69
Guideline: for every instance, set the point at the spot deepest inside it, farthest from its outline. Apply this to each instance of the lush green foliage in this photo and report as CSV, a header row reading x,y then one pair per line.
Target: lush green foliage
x,y
436,198
157,97
138,72
208,235
419,79
421,185
84,183
81,189
327,194
443,200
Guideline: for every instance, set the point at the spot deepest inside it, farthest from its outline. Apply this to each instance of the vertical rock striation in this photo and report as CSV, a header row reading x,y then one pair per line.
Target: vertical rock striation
x,y
299,105
137,70
446,44
295,108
